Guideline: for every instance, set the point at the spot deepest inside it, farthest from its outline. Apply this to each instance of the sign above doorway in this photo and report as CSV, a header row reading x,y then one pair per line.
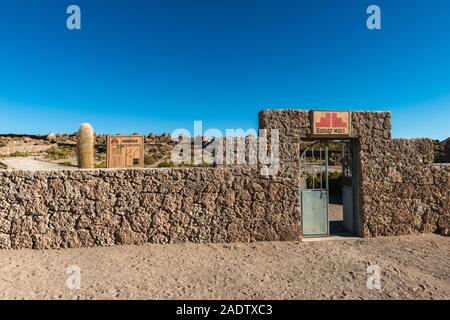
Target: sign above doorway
x,y
334,124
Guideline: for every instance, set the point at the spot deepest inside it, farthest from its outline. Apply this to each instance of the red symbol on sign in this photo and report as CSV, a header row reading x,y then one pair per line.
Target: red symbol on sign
x,y
324,122
337,121
331,120
114,140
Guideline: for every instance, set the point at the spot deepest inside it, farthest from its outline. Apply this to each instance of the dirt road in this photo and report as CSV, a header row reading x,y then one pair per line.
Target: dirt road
x,y
412,267
31,164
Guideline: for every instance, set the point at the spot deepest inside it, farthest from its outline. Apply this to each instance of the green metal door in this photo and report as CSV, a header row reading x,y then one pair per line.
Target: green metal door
x,y
315,212
314,194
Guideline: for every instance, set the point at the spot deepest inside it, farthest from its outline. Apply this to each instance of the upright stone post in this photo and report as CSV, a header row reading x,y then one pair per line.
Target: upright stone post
x,y
85,146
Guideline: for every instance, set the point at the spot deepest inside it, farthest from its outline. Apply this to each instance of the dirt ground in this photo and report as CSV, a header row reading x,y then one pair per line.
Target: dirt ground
x,y
32,164
412,267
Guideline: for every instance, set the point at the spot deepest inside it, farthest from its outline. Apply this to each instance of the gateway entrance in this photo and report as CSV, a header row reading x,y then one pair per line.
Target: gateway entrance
x,y
329,188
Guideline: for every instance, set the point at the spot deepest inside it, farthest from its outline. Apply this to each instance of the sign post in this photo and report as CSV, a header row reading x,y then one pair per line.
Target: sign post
x,y
125,151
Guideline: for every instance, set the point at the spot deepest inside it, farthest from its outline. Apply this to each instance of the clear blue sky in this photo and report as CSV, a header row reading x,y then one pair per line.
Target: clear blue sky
x,y
143,66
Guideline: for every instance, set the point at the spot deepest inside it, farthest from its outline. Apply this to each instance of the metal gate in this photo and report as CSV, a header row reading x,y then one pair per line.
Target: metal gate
x,y
315,193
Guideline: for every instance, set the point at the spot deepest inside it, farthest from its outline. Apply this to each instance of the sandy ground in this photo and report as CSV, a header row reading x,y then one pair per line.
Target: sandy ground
x,y
412,267
32,164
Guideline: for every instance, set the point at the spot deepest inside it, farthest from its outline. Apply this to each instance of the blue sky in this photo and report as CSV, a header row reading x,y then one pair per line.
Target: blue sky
x,y
154,66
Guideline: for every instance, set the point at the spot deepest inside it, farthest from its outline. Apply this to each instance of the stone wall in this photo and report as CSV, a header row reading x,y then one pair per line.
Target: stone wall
x,y
11,145
371,129
401,191
79,208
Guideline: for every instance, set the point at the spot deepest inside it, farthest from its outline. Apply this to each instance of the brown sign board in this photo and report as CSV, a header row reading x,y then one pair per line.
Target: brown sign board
x,y
332,124
125,151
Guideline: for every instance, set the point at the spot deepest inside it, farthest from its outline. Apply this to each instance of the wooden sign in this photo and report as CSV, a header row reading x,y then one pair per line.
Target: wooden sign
x,y
330,123
125,151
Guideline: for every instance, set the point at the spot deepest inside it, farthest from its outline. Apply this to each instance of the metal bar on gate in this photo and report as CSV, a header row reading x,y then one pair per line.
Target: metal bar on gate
x,y
326,167
352,162
343,163
320,168
312,166
306,167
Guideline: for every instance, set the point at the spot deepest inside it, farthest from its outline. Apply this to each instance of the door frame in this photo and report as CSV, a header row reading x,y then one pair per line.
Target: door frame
x,y
356,183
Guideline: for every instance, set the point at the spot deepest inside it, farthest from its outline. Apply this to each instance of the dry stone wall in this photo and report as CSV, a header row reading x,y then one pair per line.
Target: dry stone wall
x,y
79,208
404,192
401,190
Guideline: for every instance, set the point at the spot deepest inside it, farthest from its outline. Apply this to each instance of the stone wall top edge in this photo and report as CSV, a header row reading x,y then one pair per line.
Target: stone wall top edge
x,y
120,170
412,139
319,109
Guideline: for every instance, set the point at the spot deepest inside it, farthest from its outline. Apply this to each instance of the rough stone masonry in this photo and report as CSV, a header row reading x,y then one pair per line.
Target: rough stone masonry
x,y
78,208
401,192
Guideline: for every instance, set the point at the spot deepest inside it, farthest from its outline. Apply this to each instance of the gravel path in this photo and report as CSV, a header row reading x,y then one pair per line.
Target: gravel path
x,y
412,267
31,164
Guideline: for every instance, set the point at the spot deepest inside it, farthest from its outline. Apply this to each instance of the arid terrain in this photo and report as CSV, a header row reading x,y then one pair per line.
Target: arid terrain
x,y
58,151
412,267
